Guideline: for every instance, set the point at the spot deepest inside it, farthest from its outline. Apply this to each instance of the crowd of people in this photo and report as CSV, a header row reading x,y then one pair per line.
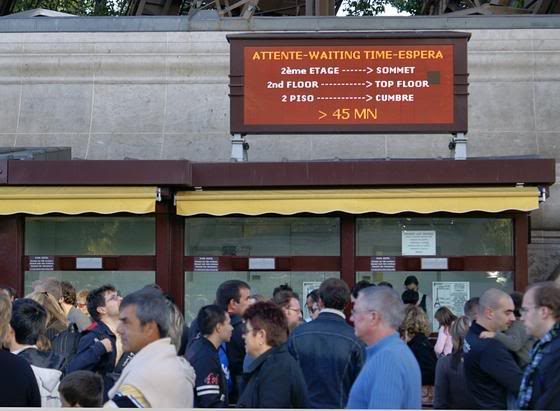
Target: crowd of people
x,y
95,348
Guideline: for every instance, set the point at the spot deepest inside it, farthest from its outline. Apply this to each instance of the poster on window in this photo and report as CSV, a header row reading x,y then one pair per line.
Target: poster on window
x,y
308,286
450,294
418,242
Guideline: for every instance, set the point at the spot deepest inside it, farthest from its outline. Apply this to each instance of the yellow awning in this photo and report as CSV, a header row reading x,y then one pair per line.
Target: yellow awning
x,y
77,200
357,201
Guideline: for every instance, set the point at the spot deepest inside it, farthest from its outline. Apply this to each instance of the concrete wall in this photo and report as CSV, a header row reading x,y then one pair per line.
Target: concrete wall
x,y
158,89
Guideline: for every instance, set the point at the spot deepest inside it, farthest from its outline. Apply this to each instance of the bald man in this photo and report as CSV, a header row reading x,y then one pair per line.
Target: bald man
x,y
491,371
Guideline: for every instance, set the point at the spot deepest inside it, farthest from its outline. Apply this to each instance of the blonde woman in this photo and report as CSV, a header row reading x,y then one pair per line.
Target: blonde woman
x,y
56,318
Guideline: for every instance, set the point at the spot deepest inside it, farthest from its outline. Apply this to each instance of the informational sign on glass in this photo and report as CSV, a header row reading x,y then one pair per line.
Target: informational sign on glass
x,y
450,294
418,242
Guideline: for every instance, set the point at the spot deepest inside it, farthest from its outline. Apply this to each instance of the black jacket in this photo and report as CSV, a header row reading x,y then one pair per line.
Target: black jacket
x,y
330,357
235,352
274,380
426,357
92,356
490,370
211,390
18,386
546,386
450,390
43,359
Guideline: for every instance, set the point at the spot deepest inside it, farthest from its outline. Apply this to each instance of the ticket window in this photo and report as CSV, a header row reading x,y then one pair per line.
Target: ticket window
x,y
485,242
111,250
304,251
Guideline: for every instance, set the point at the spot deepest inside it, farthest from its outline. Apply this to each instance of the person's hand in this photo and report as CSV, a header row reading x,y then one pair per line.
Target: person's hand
x,y
107,344
487,334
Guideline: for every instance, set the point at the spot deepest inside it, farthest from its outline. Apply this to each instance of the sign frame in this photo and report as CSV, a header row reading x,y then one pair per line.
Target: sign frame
x,y
239,42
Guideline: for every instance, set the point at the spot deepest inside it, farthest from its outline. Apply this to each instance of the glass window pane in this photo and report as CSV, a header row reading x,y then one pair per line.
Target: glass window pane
x,y
262,236
200,287
478,283
454,236
125,281
90,236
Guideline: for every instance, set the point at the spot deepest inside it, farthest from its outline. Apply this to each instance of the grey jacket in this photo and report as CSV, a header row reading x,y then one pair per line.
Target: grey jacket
x,y
516,339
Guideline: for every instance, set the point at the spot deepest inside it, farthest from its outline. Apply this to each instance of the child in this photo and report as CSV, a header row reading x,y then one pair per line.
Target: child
x,y
81,389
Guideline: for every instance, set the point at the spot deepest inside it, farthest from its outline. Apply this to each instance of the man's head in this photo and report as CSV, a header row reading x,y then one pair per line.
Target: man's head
x,y
411,283
28,322
233,296
495,310
410,297
359,286
541,308
312,304
289,302
103,302
213,321
378,312
143,319
83,389
334,293
471,308
68,294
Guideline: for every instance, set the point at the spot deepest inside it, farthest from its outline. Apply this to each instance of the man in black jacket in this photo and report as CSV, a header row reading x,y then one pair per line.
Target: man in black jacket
x,y
98,349
541,381
491,372
233,297
327,350
211,389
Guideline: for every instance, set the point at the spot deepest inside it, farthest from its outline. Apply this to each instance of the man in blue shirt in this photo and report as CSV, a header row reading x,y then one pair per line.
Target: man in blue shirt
x,y
390,378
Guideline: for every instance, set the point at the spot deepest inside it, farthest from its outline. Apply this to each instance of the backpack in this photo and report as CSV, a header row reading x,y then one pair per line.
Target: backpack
x,y
66,342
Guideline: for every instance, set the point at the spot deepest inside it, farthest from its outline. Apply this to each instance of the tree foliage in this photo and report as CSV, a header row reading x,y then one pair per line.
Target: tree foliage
x,y
375,7
77,7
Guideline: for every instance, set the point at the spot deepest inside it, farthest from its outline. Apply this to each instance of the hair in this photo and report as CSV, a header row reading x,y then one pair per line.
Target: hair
x,y
150,306
445,316
491,298
48,285
314,295
5,315
258,298
415,322
83,388
82,294
68,293
230,290
29,321
411,279
471,307
386,302
458,330
281,287
269,317
11,291
410,297
176,324
51,305
547,294
96,298
334,293
385,284
284,297
209,317
517,298
360,285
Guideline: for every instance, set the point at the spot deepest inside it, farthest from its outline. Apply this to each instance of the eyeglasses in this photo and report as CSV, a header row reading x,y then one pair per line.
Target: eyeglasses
x,y
113,297
297,310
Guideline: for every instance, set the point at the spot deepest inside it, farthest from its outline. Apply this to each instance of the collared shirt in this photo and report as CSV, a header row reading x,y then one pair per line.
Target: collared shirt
x,y
390,378
333,311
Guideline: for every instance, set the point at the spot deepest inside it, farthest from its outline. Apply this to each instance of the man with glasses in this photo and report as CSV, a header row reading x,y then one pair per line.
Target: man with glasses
x,y
541,381
99,349
390,377
491,372
328,344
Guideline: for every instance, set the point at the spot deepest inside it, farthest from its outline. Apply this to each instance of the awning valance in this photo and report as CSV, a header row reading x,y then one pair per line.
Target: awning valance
x,y
357,201
77,200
